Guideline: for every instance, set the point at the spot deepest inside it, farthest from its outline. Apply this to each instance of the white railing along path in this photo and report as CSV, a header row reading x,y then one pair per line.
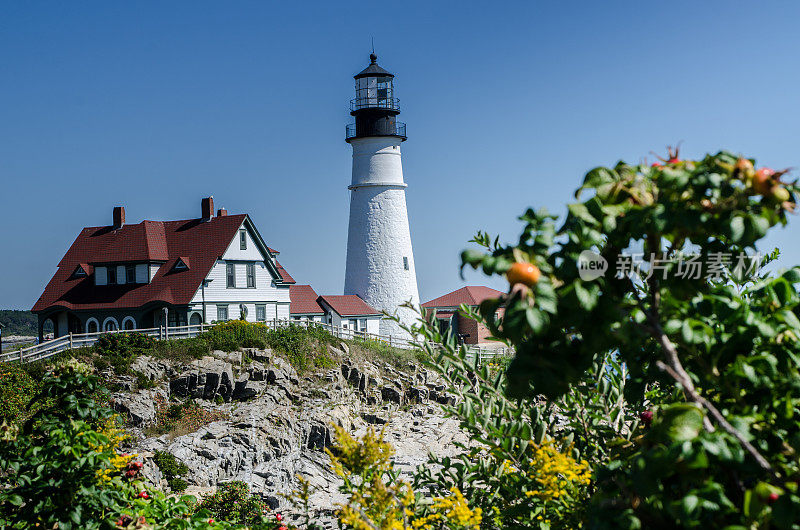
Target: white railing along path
x,y
49,348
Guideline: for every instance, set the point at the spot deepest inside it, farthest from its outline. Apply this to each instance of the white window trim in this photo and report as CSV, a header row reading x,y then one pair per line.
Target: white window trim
x,y
127,319
109,319
92,319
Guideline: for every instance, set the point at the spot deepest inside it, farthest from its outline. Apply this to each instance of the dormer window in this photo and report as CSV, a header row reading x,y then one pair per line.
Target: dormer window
x,y
180,265
112,275
79,272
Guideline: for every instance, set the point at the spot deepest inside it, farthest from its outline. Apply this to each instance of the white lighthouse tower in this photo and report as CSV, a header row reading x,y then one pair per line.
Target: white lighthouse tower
x,y
380,261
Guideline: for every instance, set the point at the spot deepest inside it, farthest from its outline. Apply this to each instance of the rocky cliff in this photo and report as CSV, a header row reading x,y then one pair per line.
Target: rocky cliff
x,y
276,424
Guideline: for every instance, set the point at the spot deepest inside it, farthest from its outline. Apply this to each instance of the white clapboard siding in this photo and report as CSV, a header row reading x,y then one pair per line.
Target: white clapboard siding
x,y
265,290
251,253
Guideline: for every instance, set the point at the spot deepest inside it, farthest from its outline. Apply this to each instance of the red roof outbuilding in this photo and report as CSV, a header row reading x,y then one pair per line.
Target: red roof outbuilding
x,y
349,305
471,295
304,301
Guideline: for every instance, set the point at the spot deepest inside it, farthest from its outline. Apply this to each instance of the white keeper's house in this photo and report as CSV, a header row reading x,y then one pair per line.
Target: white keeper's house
x,y
204,270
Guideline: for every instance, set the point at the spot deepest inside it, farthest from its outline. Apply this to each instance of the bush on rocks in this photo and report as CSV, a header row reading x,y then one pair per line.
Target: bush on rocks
x,y
17,388
233,502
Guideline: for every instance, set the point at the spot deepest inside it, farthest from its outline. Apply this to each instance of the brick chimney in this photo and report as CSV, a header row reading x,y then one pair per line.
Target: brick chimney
x,y
222,212
207,206
119,217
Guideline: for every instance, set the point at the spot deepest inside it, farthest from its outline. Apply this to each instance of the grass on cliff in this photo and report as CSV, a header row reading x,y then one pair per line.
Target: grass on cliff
x,y
305,348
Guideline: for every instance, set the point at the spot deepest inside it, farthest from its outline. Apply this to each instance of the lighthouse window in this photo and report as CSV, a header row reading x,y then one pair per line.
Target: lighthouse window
x,y
405,263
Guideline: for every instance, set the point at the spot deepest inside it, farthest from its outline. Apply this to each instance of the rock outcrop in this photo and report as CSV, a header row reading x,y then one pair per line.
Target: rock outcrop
x,y
279,424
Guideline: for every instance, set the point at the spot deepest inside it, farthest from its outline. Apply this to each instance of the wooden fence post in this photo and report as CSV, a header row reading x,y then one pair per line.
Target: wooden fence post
x,y
70,340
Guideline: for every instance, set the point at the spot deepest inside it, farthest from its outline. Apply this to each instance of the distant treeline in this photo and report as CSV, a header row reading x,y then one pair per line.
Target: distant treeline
x,y
16,322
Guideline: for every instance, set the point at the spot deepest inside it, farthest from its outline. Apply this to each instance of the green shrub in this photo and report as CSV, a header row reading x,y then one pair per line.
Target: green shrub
x,y
142,382
305,348
183,350
712,355
181,418
17,388
63,470
232,502
235,334
172,469
399,357
120,349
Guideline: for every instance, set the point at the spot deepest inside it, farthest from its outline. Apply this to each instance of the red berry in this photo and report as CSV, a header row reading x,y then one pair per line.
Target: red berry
x,y
279,517
673,160
772,498
283,528
138,465
211,521
143,495
646,417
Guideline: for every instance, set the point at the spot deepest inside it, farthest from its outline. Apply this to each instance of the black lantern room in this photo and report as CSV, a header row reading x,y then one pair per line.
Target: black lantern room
x,y
375,107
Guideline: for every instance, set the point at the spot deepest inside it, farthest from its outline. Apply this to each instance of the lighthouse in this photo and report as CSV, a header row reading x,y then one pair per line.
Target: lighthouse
x,y
380,260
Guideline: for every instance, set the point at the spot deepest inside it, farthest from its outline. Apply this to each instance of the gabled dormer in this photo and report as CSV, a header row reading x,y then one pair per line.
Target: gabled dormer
x,y
248,247
81,271
181,264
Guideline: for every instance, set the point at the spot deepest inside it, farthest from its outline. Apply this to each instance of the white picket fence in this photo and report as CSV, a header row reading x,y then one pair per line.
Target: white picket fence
x,y
47,349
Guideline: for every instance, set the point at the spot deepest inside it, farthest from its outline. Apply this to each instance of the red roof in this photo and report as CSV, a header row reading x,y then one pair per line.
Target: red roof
x,y
349,305
471,295
304,301
287,278
199,243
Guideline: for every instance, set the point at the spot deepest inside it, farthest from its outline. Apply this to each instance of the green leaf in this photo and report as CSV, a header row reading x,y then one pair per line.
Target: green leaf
x,y
686,332
580,211
536,319
681,421
587,298
792,275
737,229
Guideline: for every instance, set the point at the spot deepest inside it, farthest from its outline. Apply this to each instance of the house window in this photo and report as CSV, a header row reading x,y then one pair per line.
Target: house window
x,y
243,239
261,312
79,272
130,273
363,324
251,274
405,263
242,312
112,275
231,275
222,312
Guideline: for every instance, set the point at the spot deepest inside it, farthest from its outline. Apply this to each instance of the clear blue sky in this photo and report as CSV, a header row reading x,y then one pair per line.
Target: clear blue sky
x,y
153,105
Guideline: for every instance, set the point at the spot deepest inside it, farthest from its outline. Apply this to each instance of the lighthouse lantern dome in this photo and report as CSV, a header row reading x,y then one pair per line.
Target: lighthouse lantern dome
x,y
374,88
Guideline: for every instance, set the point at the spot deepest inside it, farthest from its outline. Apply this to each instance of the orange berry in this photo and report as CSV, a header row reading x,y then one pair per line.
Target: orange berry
x,y
524,273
